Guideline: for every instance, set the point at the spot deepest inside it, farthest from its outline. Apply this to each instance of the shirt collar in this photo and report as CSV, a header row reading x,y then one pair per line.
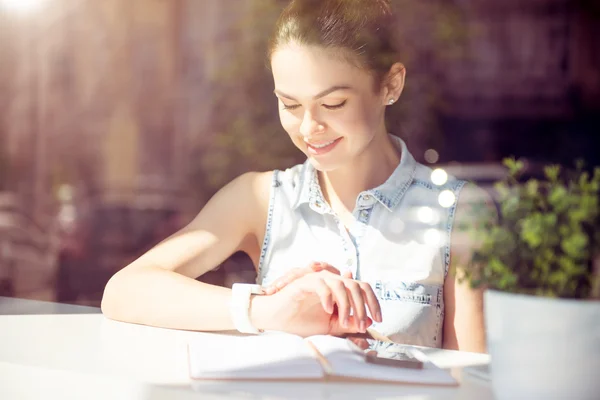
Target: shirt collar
x,y
309,190
388,194
391,191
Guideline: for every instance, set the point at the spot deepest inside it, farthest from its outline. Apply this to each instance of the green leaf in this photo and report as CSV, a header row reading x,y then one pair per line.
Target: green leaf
x,y
551,172
547,235
502,189
531,231
574,245
532,187
510,207
558,198
515,167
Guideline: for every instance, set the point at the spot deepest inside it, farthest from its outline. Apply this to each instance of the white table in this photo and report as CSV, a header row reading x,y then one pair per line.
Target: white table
x,y
54,351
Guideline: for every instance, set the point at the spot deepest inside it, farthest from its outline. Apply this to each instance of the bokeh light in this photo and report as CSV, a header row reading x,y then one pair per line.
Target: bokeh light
x,y
432,237
65,193
425,215
439,177
432,156
446,199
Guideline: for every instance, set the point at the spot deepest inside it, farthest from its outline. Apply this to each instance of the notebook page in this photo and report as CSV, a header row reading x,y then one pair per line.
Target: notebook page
x,y
347,362
276,356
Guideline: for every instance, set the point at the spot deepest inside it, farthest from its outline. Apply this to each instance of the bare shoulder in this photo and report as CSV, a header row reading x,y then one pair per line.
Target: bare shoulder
x,y
260,184
256,188
245,199
229,222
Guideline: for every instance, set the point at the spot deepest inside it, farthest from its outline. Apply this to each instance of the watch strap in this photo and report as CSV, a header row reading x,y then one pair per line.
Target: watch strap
x,y
241,294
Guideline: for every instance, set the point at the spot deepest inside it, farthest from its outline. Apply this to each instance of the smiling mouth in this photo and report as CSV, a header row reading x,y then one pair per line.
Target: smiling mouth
x,y
322,147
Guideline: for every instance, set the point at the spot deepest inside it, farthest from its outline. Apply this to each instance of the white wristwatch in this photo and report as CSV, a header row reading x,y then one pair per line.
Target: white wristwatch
x,y
240,306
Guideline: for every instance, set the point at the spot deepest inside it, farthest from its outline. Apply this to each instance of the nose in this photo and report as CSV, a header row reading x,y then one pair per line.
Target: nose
x,y
310,126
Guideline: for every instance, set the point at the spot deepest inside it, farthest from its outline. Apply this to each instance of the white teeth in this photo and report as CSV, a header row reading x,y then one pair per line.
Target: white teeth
x,y
320,146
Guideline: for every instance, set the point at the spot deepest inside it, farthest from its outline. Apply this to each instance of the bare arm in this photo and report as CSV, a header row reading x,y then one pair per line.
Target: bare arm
x,y
464,321
160,289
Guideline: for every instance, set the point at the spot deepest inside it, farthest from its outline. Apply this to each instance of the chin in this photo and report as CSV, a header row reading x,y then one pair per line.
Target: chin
x,y
324,166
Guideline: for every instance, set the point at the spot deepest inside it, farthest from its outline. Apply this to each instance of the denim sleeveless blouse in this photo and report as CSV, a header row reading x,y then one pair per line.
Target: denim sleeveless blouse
x,y
399,241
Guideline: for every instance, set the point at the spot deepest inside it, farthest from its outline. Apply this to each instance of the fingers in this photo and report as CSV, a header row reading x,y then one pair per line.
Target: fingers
x,y
358,295
321,266
363,296
360,342
353,298
348,295
352,326
325,295
297,273
283,281
357,303
371,300
341,298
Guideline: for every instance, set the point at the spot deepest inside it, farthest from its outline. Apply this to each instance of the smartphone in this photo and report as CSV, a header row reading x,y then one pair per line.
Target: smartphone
x,y
396,357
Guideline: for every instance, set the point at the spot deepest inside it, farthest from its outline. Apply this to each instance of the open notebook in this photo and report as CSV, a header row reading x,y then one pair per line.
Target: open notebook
x,y
290,357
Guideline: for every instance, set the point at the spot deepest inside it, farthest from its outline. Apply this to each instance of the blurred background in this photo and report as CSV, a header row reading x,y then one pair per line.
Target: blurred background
x,y
119,119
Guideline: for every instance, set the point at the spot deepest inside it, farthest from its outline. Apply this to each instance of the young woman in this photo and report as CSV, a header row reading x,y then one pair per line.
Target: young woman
x,y
360,205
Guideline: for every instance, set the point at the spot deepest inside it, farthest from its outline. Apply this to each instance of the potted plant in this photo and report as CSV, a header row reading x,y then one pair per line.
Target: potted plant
x,y
539,260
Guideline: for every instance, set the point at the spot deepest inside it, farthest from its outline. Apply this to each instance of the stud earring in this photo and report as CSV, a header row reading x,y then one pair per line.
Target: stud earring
x,y
391,102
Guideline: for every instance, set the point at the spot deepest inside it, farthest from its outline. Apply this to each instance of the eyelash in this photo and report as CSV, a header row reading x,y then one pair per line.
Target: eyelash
x,y
334,107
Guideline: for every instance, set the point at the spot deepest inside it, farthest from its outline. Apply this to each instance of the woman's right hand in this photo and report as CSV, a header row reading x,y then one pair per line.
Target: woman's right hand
x,y
296,273
318,303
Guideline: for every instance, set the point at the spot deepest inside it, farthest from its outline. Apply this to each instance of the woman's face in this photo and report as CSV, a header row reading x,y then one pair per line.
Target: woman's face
x,y
328,106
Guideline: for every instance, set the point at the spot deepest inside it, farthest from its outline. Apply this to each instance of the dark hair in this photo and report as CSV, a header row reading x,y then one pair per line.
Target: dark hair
x,y
360,29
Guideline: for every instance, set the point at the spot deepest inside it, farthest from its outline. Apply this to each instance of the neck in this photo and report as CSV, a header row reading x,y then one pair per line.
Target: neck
x,y
368,170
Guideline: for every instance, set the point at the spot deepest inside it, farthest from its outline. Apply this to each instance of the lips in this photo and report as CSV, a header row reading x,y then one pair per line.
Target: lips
x,y
320,144
322,147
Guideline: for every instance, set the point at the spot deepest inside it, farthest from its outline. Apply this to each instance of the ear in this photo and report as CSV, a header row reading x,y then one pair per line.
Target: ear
x,y
393,84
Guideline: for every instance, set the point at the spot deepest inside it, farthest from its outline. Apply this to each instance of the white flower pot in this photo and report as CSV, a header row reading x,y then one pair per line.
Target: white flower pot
x,y
543,348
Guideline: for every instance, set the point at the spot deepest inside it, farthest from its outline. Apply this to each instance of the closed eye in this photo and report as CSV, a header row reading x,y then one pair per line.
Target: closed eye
x,y
291,107
335,106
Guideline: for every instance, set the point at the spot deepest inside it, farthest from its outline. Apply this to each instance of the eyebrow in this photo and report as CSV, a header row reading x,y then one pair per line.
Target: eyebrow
x,y
319,95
